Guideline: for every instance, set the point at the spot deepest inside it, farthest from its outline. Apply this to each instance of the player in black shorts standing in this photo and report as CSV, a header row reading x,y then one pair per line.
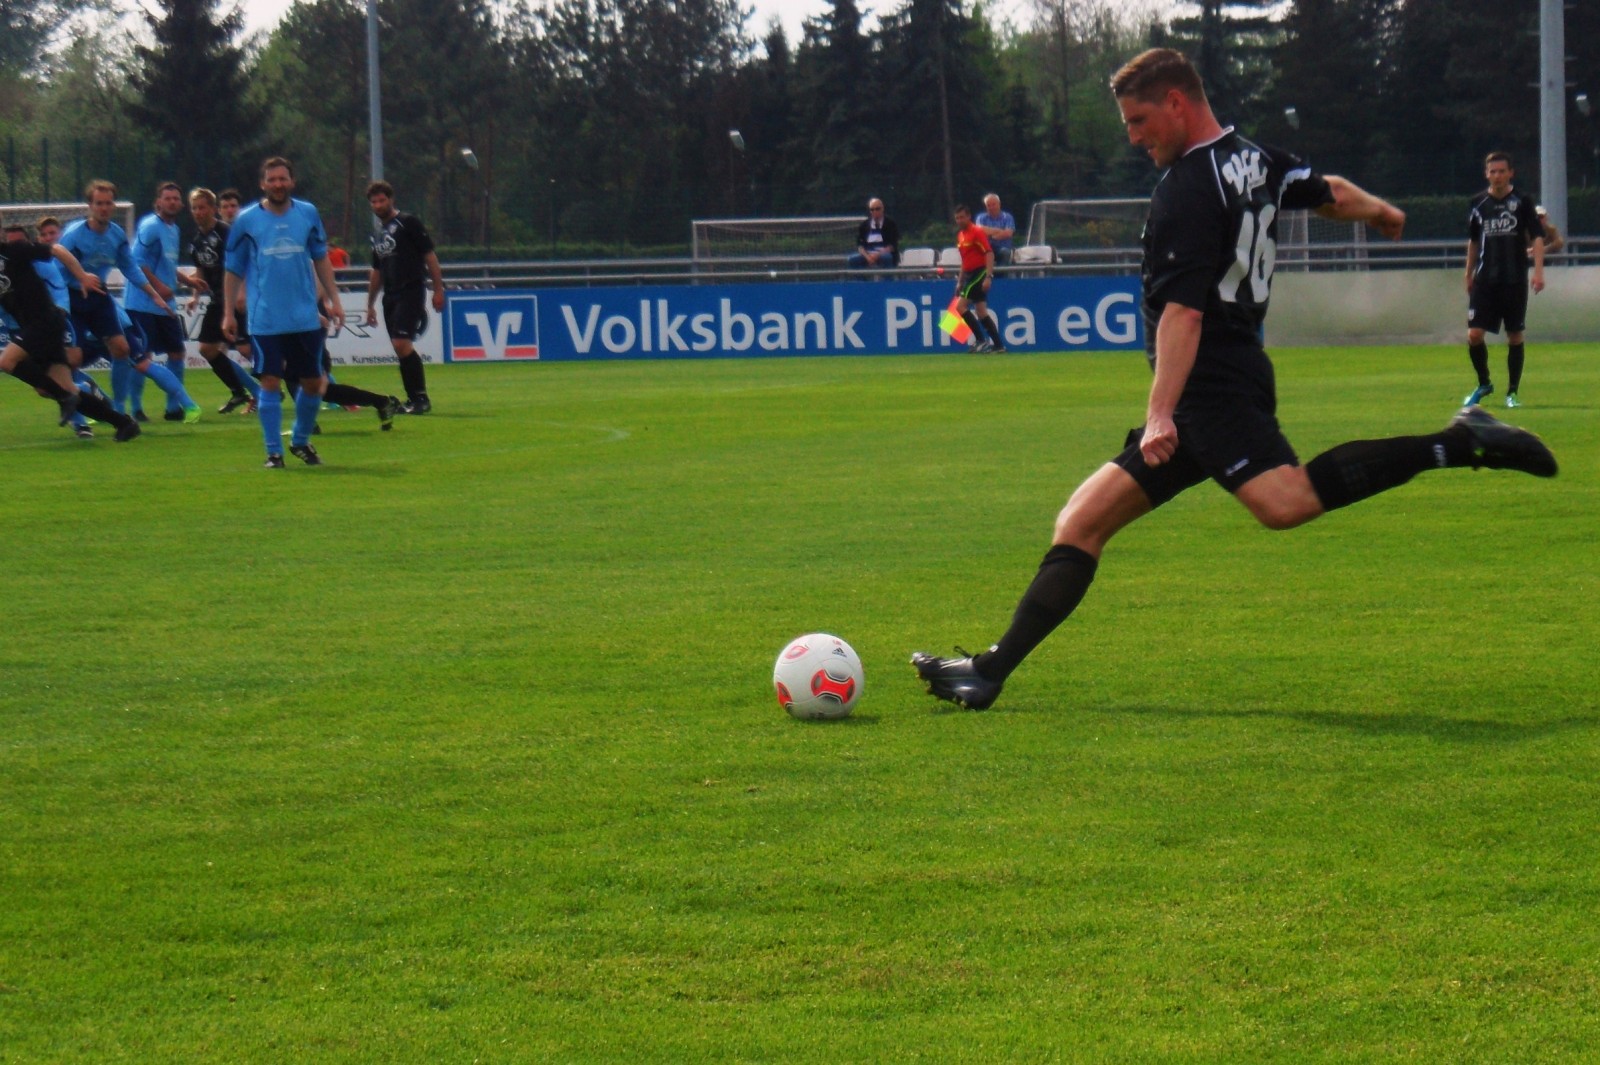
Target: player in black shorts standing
x,y
1209,243
37,352
1502,227
401,252
206,250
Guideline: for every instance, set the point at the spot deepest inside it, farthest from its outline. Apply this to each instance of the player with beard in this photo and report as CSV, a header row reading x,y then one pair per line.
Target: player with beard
x,y
1209,243
401,251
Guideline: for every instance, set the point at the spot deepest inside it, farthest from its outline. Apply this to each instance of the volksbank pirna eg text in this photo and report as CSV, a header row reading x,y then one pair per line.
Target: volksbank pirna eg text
x,y
742,321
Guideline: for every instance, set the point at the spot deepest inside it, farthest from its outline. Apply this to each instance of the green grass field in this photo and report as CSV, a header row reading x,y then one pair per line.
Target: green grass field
x,y
463,747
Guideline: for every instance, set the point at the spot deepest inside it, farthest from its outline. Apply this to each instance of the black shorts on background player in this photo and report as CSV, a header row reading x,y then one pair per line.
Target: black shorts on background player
x,y
1491,306
405,313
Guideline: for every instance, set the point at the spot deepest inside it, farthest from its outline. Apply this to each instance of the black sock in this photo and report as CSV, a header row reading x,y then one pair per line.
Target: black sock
x,y
1515,355
96,407
1063,578
993,330
31,373
413,376
1479,353
351,396
228,374
973,323
1359,469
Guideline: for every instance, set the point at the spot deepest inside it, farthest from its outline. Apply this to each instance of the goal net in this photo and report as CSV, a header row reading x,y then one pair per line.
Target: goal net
x,y
1304,238
28,214
749,242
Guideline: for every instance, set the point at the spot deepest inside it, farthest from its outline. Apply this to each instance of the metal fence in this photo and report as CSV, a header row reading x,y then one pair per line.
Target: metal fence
x,y
1380,255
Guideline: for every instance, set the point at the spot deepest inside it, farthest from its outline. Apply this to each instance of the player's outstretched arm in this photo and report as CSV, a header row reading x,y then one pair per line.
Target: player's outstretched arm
x,y
1352,203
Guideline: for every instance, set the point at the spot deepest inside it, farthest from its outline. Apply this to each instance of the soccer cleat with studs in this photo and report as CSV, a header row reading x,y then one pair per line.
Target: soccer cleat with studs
x,y
417,405
306,454
173,415
127,431
235,401
386,412
957,680
141,416
83,432
1476,395
274,462
69,407
1498,446
1512,401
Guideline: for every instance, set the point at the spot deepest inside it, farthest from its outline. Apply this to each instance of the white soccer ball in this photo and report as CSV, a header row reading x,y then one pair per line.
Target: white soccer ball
x,y
818,677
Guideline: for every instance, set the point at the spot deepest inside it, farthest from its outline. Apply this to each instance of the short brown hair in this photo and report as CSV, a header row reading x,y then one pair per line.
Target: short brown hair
x,y
380,186
200,192
1150,75
229,193
98,185
165,185
274,162
1499,157
47,220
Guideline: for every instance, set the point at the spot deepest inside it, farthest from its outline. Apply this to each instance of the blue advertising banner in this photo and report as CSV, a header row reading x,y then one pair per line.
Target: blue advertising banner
x,y
746,321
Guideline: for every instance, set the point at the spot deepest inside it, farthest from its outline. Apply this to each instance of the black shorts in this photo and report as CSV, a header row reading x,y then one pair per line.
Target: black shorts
x,y
163,332
1227,428
970,286
405,314
211,326
45,338
94,312
1491,306
290,356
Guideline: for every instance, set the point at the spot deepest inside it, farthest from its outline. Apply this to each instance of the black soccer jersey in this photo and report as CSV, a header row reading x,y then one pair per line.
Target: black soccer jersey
x,y
23,293
1502,229
1211,237
206,251
399,252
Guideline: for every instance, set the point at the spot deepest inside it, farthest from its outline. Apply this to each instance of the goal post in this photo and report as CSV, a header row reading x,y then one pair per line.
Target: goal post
x,y
750,240
28,214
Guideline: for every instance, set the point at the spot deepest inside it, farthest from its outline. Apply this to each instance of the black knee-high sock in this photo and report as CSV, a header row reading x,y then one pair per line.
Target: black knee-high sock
x,y
31,373
413,376
1057,589
990,327
228,373
1479,354
1515,355
1359,469
97,408
351,396
972,323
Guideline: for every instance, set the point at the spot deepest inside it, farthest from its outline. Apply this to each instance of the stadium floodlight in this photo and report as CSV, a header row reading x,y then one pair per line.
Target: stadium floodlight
x,y
1291,116
736,139
1585,108
469,157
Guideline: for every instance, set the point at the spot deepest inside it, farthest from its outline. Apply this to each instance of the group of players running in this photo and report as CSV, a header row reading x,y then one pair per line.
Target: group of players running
x,y
60,317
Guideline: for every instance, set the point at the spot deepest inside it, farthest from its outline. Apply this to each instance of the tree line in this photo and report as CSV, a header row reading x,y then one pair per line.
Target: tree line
x,y
601,126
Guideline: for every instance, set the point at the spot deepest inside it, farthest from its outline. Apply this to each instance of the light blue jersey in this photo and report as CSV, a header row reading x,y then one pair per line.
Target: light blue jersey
x,y
54,275
274,254
99,252
155,247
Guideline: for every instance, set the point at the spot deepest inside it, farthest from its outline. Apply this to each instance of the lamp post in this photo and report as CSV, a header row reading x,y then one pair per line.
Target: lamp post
x,y
1586,108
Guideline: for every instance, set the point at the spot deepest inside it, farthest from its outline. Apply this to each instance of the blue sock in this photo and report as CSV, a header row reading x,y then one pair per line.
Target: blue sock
x,y
306,407
250,384
119,384
175,367
135,385
169,384
269,408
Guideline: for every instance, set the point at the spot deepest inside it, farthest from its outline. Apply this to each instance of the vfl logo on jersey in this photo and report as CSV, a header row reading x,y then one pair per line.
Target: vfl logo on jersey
x,y
205,254
383,245
1245,171
492,327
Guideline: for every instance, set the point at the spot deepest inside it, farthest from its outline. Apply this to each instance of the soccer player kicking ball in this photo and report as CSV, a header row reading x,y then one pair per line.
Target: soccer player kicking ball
x,y
972,288
278,251
1208,253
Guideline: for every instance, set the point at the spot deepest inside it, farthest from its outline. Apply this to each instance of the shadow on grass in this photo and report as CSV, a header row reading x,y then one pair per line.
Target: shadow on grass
x,y
838,722
1432,726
